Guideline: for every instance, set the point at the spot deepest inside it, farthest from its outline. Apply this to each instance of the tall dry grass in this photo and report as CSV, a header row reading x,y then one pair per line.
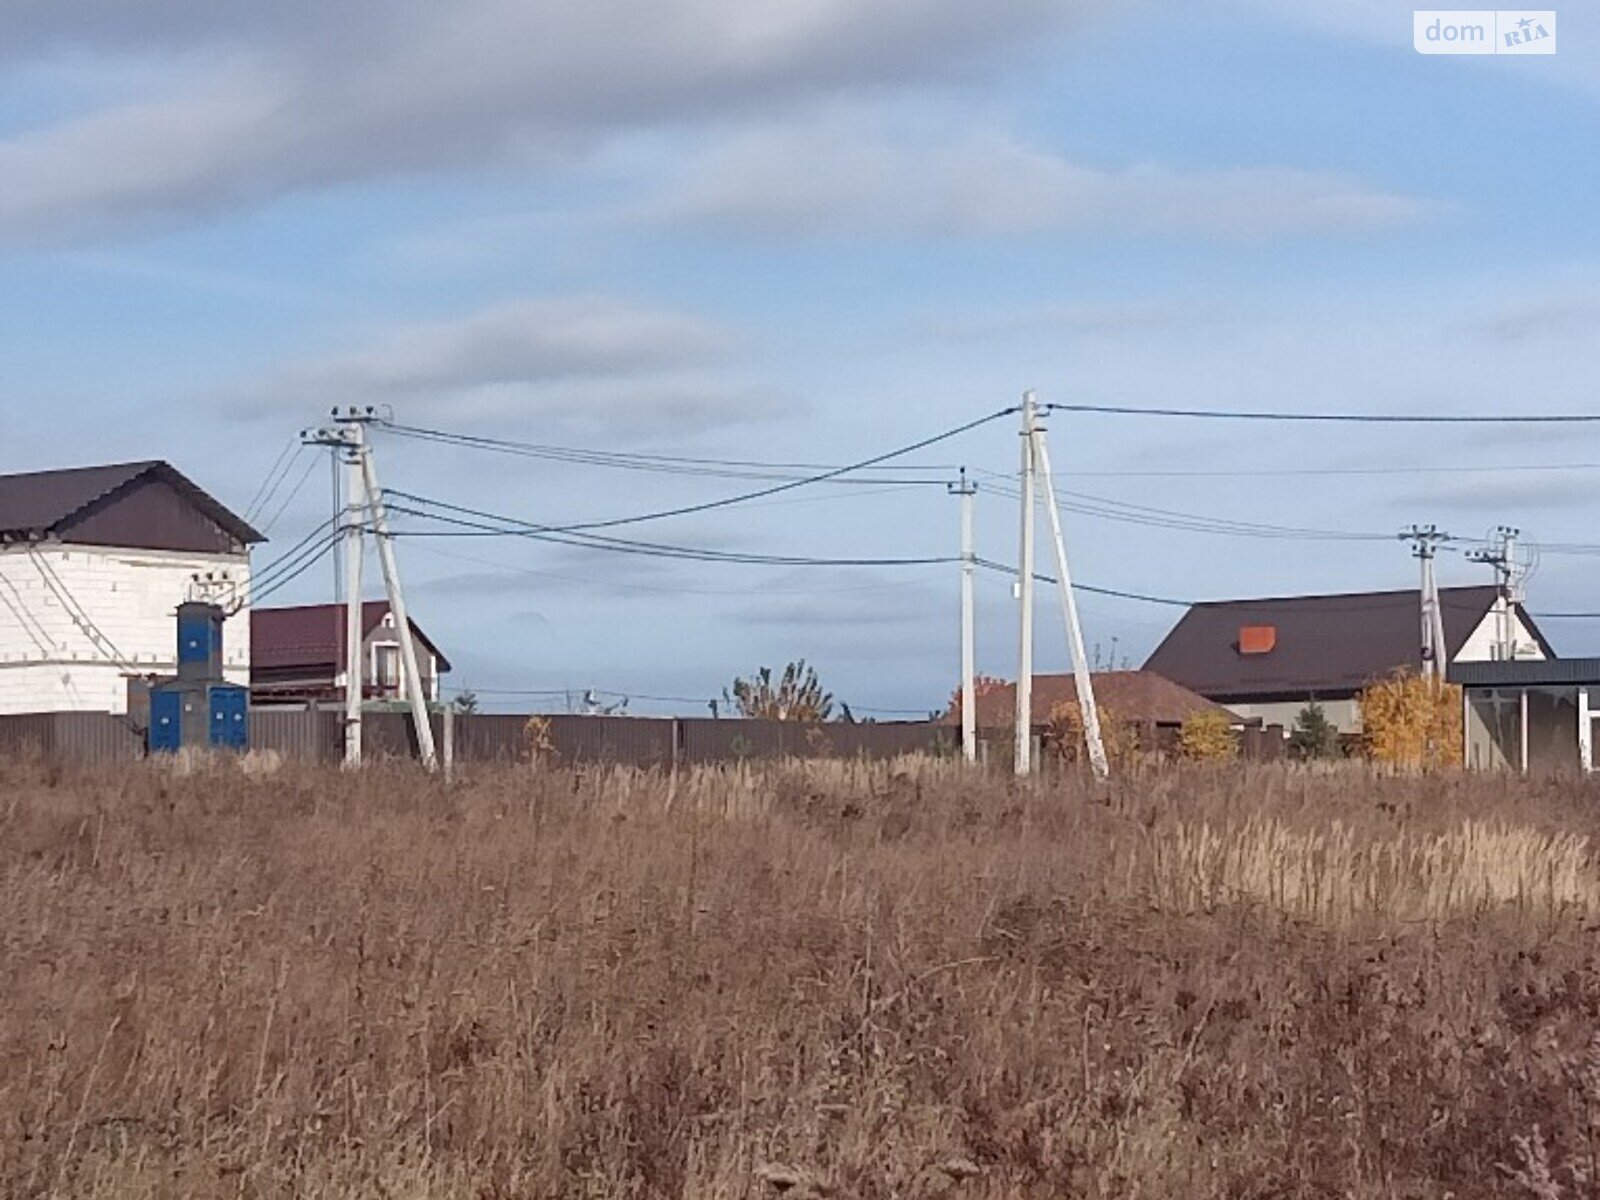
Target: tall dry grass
x,y
902,981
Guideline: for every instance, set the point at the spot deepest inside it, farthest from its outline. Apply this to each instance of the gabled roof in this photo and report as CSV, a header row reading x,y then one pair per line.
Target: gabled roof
x,y
1320,645
1131,695
311,636
42,504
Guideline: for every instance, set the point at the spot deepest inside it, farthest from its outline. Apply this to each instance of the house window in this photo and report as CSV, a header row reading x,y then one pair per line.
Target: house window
x,y
386,666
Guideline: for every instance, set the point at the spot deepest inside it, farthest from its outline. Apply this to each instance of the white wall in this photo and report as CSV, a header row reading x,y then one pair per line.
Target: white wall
x,y
77,621
1344,714
1482,644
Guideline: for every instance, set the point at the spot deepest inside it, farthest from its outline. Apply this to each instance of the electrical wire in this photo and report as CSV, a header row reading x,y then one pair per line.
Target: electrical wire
x,y
263,495
1091,589
322,526
722,468
1125,410
1292,472
774,489
312,557
481,528
1165,518
290,498
616,695
659,589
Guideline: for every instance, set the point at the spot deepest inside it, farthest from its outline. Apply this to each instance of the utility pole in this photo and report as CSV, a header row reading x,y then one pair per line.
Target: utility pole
x,y
1024,714
1082,679
966,489
348,437
420,719
1502,557
1425,540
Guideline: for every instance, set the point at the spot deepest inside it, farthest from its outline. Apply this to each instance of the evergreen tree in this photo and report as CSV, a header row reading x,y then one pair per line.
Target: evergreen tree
x,y
1314,736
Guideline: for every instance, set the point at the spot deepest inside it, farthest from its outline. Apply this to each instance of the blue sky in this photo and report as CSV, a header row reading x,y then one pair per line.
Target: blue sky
x,y
811,231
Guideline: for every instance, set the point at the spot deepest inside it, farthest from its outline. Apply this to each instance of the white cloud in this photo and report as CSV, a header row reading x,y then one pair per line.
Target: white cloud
x,y
828,178
327,93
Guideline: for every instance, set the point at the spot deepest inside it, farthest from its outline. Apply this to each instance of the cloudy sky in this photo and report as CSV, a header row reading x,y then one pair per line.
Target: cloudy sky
x,y
810,231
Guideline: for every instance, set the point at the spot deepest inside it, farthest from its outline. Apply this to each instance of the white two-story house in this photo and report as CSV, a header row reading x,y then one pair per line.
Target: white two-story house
x,y
94,562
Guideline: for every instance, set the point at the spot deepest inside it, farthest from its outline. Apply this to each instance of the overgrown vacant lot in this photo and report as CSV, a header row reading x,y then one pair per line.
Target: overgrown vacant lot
x,y
871,981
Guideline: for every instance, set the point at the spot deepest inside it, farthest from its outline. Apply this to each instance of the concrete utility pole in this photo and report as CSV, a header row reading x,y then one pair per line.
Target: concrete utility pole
x,y
420,720
966,489
1081,677
348,437
1024,713
1425,540
1502,557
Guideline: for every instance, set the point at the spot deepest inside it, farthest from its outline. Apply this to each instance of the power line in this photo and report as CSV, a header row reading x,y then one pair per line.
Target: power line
x,y
263,496
1343,418
1091,589
1293,472
709,468
290,498
616,695
773,490
1166,518
481,528
661,589
286,573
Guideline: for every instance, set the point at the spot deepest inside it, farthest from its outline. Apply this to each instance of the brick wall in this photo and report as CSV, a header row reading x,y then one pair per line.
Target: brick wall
x,y
69,613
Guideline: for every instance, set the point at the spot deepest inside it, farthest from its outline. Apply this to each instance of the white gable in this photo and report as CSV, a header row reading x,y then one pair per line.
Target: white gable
x,y
1483,644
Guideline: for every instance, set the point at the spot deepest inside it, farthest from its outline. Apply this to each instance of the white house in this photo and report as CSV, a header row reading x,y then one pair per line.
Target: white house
x,y
1267,658
93,565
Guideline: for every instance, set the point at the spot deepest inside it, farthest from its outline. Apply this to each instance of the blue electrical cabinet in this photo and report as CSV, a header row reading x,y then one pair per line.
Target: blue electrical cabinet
x,y
166,721
195,636
196,708
230,717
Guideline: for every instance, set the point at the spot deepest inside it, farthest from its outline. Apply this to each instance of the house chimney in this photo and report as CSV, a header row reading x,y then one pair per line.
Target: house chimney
x,y
1257,639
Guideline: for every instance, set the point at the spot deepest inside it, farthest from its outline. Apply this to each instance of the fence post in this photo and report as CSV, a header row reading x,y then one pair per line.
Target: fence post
x,y
449,744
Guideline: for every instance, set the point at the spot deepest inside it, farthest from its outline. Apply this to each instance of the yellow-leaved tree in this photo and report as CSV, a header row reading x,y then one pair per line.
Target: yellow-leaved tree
x,y
1063,734
1413,722
1208,736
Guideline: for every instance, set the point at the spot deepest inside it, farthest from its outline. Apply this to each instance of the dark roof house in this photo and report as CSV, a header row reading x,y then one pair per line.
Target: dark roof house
x,y
144,505
1290,648
1137,696
300,651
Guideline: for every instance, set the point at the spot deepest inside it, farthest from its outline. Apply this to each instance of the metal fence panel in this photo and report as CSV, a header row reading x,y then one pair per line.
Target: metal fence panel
x,y
82,738
630,741
96,739
303,735
27,734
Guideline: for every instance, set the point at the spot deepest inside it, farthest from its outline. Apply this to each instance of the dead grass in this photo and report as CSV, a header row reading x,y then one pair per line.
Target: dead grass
x,y
829,979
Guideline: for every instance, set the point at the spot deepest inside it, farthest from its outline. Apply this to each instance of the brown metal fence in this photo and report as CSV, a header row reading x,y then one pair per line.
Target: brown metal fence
x,y
705,740
83,738
97,739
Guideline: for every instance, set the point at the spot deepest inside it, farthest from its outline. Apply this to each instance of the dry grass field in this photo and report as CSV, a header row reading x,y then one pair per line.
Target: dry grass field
x,y
867,982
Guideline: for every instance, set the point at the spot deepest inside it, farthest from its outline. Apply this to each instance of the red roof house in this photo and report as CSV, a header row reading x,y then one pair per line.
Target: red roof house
x,y
298,654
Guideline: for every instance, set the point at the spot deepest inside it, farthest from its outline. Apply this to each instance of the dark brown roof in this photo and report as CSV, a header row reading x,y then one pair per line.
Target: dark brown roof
x,y
142,504
1131,695
1325,646
311,636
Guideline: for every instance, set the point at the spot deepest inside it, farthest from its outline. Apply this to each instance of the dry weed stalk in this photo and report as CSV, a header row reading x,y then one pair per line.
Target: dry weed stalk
x,y
589,983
